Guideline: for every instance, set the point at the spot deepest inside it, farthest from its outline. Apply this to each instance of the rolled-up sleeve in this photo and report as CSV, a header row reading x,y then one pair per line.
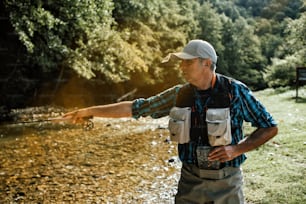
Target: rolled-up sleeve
x,y
155,106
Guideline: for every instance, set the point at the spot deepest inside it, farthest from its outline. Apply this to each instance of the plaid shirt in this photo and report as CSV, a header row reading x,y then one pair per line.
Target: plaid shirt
x,y
244,107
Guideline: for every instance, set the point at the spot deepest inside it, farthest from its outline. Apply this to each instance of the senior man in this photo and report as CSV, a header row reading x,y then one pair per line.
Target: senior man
x,y
206,119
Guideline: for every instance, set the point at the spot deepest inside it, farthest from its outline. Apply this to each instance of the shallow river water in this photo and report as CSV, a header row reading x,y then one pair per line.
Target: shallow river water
x,y
118,161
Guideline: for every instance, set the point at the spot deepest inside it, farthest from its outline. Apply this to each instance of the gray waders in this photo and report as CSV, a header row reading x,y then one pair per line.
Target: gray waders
x,y
197,186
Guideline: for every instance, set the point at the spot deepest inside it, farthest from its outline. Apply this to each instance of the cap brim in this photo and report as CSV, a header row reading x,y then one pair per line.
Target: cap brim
x,y
179,55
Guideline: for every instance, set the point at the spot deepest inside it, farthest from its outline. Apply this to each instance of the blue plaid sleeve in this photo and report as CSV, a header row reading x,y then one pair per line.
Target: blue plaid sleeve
x,y
155,106
253,111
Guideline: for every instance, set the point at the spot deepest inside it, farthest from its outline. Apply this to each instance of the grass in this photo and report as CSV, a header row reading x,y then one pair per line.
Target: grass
x,y
275,172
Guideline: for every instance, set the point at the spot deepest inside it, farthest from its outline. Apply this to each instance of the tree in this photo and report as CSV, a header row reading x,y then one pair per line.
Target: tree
x,y
155,28
253,7
51,30
296,40
210,26
282,70
281,9
242,56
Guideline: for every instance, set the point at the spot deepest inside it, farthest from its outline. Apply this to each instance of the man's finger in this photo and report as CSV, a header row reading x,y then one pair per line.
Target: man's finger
x,y
215,154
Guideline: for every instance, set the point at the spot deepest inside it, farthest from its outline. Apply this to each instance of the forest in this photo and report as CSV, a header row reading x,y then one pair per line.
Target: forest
x,y
118,44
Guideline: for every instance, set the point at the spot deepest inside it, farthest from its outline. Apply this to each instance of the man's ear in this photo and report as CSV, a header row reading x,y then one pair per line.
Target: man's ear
x,y
210,62
207,62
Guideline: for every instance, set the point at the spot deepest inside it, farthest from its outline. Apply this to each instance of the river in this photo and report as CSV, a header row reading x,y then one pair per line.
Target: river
x,y
118,161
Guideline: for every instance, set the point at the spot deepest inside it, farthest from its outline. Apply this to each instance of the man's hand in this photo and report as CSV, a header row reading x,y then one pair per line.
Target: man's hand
x,y
78,116
223,153
75,117
256,139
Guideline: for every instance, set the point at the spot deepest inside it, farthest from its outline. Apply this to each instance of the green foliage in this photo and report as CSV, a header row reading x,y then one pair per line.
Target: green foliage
x,y
281,72
281,9
211,26
242,55
155,28
253,7
107,53
37,29
50,30
125,40
296,38
228,8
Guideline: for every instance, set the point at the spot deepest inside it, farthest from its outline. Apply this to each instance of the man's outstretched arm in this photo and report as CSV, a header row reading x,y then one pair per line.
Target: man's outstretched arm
x,y
115,110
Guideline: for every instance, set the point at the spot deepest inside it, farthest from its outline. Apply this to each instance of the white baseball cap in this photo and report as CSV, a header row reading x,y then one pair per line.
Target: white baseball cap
x,y
195,49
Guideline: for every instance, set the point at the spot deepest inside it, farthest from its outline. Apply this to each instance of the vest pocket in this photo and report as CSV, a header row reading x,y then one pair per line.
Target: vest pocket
x,y
179,124
219,126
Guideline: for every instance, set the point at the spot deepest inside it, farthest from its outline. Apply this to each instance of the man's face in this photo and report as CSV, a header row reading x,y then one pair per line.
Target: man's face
x,y
193,70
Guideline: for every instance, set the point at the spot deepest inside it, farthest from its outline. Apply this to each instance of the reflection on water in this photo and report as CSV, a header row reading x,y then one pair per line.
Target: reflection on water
x,y
119,161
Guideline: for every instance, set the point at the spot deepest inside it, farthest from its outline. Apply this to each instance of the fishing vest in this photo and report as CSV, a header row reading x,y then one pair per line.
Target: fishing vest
x,y
199,103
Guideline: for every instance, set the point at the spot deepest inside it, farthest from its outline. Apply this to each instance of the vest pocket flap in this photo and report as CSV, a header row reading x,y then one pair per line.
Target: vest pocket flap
x,y
217,115
180,113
